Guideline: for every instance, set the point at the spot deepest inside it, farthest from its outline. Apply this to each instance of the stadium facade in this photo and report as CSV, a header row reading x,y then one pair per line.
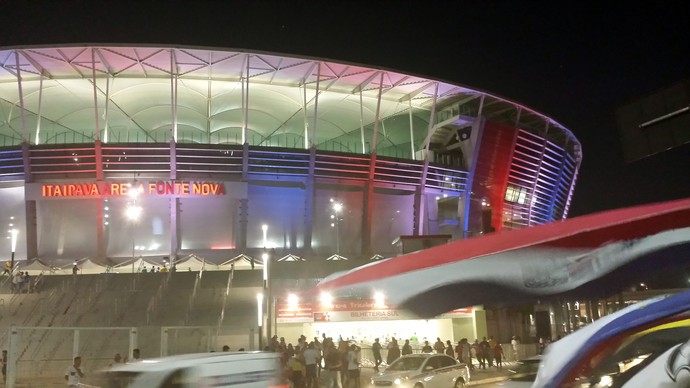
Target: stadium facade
x,y
231,152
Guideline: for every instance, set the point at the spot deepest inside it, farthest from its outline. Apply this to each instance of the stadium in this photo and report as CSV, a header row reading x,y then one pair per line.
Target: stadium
x,y
157,155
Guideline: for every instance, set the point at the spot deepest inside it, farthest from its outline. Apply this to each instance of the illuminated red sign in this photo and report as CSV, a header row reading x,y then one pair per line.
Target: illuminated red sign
x,y
104,189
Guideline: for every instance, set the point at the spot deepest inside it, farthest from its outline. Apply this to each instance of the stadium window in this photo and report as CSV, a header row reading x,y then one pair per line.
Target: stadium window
x,y
516,194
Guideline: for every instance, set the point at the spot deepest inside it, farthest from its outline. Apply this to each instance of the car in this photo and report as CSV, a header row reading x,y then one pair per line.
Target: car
x,y
423,370
642,345
237,369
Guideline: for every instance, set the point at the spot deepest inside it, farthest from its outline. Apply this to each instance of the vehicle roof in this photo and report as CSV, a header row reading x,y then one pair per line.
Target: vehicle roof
x,y
425,355
571,348
172,362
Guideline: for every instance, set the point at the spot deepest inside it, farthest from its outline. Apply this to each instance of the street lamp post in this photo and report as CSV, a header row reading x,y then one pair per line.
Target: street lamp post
x,y
264,259
260,317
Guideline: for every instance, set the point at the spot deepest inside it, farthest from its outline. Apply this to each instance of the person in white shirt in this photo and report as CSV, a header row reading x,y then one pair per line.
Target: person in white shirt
x,y
353,362
515,344
74,373
311,355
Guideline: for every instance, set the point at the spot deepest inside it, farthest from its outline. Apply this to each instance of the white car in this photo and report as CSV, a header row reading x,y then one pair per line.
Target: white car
x,y
221,369
424,370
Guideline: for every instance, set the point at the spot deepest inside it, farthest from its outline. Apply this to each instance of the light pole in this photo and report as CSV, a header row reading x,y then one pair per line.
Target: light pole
x,y
13,233
260,316
265,258
267,289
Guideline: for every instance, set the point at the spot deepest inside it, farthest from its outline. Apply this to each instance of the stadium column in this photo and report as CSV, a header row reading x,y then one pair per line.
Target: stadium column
x,y
174,206
368,199
464,205
100,221
243,204
419,202
309,200
367,206
30,207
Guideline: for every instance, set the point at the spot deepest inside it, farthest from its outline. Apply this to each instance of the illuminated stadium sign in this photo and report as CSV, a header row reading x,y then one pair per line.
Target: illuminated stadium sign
x,y
158,188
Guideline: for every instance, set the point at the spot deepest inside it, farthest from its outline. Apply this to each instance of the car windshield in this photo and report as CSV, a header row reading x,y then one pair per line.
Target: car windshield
x,y
407,363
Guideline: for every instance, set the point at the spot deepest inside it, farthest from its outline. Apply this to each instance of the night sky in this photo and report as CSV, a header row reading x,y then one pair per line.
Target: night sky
x,y
576,62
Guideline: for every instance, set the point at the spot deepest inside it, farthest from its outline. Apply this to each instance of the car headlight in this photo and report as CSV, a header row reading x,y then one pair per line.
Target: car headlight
x,y
400,380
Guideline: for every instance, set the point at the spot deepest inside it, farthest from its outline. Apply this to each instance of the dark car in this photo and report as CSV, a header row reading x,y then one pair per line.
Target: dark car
x,y
522,375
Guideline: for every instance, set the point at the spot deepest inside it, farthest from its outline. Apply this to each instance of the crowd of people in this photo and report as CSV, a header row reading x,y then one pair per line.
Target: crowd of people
x,y
486,352
319,363
329,363
20,281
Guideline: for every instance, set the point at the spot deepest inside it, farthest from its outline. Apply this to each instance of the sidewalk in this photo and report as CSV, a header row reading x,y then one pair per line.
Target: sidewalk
x,y
490,375
477,376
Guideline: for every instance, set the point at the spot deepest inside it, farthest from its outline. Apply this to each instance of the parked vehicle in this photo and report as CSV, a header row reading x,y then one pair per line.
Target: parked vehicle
x,y
643,345
522,375
237,369
423,370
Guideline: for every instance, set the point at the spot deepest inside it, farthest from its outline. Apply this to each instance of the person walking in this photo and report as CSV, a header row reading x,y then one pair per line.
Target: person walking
x,y
458,352
490,351
73,374
330,375
310,355
407,348
449,349
439,347
498,355
486,353
393,351
343,349
353,361
477,350
466,351
515,344
297,368
376,349
17,282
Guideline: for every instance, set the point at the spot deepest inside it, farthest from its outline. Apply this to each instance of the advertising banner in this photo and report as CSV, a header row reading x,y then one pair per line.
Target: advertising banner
x,y
347,311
